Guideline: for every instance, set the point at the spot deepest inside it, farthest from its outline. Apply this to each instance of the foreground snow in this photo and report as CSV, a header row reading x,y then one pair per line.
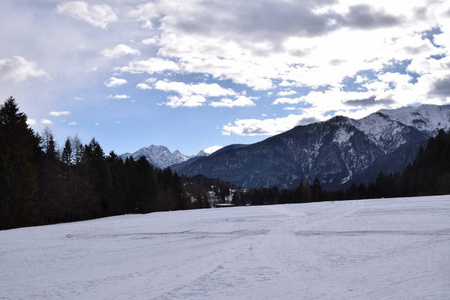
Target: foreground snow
x,y
374,249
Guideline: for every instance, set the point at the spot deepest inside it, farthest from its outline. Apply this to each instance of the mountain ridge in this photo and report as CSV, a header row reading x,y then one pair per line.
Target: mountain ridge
x,y
160,156
336,151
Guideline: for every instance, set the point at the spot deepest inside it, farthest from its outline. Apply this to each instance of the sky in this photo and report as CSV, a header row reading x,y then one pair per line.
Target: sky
x,y
194,74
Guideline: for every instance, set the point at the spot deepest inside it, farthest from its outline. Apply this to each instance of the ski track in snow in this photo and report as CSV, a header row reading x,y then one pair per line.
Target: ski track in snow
x,y
371,249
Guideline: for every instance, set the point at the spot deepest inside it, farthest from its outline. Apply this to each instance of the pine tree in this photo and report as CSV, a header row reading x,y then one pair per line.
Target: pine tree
x,y
67,154
316,190
144,184
303,192
19,149
54,196
49,144
99,178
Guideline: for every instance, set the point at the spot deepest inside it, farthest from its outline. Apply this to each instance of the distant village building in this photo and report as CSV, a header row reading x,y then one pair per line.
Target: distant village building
x,y
215,201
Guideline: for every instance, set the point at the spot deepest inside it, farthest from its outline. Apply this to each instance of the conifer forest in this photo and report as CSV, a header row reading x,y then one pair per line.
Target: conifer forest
x,y
45,183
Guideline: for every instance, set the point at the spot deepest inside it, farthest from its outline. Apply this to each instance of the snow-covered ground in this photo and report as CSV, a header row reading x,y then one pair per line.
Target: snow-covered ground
x,y
374,249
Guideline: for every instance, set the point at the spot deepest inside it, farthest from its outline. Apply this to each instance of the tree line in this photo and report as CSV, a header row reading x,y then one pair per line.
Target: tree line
x,y
41,185
429,174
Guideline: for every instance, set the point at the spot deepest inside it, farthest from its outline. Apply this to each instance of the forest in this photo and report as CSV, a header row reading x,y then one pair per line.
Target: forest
x,y
40,184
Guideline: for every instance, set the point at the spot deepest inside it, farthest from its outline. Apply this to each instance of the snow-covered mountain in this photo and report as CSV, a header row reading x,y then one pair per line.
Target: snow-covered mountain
x,y
426,118
160,156
388,128
336,151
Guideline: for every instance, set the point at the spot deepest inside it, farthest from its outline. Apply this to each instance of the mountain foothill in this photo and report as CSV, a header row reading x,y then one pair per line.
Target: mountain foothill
x,y
391,153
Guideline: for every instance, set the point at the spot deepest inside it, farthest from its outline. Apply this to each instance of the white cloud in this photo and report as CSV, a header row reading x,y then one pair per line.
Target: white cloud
x,y
145,13
96,15
287,93
250,127
193,95
31,122
152,65
151,41
212,149
143,86
204,89
115,82
289,49
185,101
346,103
347,52
286,83
74,123
60,113
19,69
241,101
231,63
120,50
46,121
285,100
118,97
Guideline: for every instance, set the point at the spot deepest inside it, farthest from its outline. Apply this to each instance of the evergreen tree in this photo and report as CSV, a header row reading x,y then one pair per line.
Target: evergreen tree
x,y
48,145
99,179
19,150
316,190
117,169
67,154
144,183
80,188
303,192
53,198
286,196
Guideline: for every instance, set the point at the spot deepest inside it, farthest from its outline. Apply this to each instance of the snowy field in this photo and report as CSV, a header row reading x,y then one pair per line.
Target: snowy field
x,y
374,249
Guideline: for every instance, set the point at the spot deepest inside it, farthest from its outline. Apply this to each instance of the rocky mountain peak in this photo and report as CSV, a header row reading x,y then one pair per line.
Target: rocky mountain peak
x,y
160,156
336,151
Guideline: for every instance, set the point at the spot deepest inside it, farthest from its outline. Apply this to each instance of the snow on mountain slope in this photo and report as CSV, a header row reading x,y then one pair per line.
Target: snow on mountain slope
x,y
387,133
426,118
390,129
159,156
372,249
335,151
342,136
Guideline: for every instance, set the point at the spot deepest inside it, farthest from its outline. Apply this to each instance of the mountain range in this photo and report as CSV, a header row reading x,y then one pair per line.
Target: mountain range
x,y
337,152
160,156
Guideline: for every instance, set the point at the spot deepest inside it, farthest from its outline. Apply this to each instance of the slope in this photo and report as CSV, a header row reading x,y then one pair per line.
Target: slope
x,y
336,151
333,250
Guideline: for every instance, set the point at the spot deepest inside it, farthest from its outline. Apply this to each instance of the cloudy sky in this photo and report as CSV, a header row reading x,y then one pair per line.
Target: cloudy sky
x,y
192,74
